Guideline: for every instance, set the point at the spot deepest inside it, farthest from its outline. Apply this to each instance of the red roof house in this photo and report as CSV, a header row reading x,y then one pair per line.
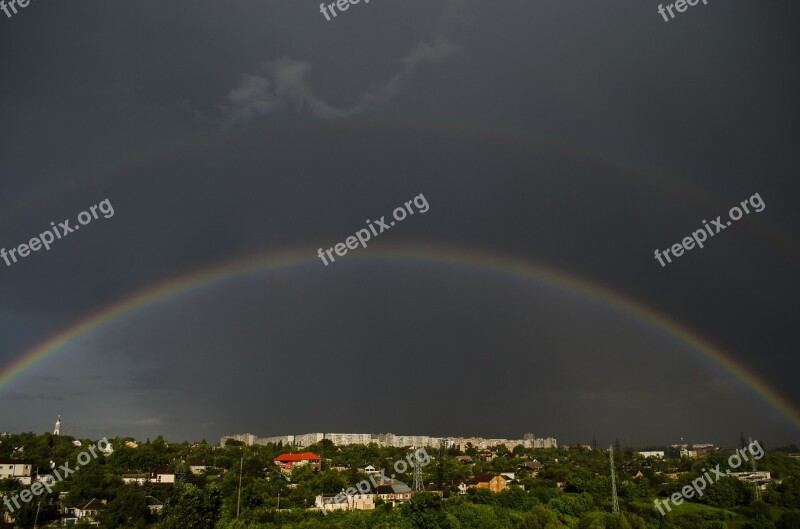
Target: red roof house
x,y
287,461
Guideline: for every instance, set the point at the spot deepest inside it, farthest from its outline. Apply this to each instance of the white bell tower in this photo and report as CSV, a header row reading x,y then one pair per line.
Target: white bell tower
x,y
57,429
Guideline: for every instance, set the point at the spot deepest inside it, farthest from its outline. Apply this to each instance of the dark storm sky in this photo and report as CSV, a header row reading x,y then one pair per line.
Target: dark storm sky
x,y
578,134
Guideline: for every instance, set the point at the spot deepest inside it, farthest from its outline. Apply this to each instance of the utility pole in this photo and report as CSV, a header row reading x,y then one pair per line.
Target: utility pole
x,y
239,499
36,520
440,468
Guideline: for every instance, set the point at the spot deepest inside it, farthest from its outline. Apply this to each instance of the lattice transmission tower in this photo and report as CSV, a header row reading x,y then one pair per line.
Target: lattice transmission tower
x,y
614,499
418,485
753,461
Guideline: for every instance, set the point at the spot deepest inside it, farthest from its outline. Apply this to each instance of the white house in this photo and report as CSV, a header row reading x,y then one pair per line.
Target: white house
x,y
83,510
153,504
759,478
343,502
160,475
657,454
197,467
369,470
19,470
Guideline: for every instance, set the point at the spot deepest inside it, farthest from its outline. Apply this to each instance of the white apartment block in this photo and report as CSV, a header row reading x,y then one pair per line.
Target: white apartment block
x,y
286,440
351,438
308,439
546,442
391,440
246,438
402,441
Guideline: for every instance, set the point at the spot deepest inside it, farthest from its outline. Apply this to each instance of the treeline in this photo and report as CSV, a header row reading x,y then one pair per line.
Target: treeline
x,y
571,491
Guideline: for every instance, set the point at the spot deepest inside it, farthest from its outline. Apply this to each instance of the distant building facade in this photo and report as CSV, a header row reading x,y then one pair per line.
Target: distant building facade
x,y
246,438
308,439
393,441
19,470
285,440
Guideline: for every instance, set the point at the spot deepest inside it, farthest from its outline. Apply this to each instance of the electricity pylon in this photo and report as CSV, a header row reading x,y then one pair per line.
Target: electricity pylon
x,y
614,498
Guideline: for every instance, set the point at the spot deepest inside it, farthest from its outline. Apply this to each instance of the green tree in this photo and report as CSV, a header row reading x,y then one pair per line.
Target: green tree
x,y
788,520
127,509
424,511
189,506
541,518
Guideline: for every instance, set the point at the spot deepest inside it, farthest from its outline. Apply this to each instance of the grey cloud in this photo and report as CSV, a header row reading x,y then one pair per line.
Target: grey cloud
x,y
149,421
283,84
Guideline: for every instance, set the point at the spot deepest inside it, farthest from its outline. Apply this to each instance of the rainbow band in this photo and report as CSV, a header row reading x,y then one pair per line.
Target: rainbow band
x,y
417,252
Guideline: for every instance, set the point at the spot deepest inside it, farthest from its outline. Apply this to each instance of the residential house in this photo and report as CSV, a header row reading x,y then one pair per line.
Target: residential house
x,y
461,487
83,510
343,502
287,462
456,487
159,475
486,455
758,478
19,469
197,467
530,467
153,504
369,470
163,475
393,491
485,480
657,454
433,488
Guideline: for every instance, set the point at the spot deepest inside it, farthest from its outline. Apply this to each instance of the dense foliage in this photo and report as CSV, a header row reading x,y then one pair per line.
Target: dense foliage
x,y
572,490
